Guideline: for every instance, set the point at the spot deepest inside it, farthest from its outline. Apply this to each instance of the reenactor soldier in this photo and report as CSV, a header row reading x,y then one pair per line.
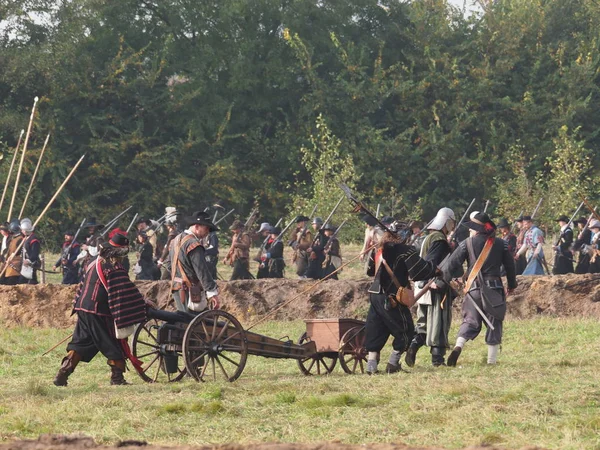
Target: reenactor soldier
x,y
584,239
66,261
264,231
31,254
563,257
316,254
13,271
333,252
301,243
239,253
485,255
272,257
192,285
532,244
520,259
594,247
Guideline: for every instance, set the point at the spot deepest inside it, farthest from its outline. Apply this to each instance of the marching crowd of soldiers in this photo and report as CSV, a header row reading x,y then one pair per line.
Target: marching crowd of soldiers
x,y
394,253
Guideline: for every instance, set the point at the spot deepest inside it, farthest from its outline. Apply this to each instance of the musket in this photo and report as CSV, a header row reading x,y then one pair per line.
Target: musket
x,y
287,227
487,203
221,219
330,241
264,242
314,210
132,222
377,210
337,205
536,208
359,207
67,250
12,165
247,224
108,226
462,219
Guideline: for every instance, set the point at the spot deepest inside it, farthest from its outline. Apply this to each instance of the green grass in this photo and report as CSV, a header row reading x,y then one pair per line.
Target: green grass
x,y
545,391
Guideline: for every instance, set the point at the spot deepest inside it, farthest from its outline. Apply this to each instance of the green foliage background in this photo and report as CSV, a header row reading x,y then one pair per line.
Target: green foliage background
x,y
183,103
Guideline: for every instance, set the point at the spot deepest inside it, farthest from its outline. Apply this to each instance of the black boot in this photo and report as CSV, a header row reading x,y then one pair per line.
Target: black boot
x,y
67,367
411,354
437,356
453,358
117,369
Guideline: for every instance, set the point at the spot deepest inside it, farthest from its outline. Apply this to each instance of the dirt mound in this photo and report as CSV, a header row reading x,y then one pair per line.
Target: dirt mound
x,y
50,305
58,442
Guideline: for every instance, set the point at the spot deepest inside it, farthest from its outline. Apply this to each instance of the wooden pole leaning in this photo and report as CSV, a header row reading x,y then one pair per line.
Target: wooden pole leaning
x,y
14,194
12,165
64,183
37,167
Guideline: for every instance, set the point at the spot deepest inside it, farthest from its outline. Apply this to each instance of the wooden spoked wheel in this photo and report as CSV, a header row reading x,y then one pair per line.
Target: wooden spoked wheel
x,y
215,346
156,358
353,354
321,363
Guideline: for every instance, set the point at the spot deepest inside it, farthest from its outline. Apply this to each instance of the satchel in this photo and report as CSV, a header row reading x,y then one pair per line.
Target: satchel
x,y
404,295
27,272
196,298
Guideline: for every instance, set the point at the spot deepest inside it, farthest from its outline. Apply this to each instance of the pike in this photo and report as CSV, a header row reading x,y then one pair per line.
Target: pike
x,y
221,219
132,222
337,205
462,219
487,203
14,194
12,165
287,227
64,183
589,207
515,222
37,167
377,210
111,223
536,208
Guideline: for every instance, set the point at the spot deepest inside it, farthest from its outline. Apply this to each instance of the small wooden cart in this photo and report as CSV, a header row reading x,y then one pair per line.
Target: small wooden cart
x,y
214,344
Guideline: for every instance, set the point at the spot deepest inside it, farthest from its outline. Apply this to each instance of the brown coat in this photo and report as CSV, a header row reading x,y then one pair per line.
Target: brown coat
x,y
14,266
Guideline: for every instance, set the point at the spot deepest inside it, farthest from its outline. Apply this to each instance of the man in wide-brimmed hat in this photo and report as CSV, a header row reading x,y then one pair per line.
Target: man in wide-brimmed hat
x,y
302,238
484,287
563,257
584,239
108,307
238,256
192,284
506,234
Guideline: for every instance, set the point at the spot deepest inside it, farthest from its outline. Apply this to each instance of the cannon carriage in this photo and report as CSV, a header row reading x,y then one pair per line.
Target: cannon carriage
x,y
213,345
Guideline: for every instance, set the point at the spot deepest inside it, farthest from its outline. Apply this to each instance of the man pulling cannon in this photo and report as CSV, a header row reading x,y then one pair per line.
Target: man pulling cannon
x,y
108,306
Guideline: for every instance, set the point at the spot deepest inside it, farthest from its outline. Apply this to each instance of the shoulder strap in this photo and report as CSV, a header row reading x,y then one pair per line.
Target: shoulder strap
x,y
480,261
101,276
390,273
177,264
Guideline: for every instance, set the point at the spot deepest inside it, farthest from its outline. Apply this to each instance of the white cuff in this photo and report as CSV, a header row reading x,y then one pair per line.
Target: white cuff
x,y
93,251
211,294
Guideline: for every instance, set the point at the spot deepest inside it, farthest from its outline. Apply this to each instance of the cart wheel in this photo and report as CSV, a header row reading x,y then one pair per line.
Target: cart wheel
x,y
147,348
215,343
321,363
353,354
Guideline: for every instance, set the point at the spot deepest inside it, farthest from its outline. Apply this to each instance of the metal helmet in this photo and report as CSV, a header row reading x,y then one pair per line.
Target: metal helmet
x,y
442,218
14,226
26,226
318,221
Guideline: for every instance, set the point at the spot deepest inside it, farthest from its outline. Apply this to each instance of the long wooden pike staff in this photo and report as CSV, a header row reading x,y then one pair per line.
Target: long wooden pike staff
x,y
590,208
37,167
12,165
64,183
14,194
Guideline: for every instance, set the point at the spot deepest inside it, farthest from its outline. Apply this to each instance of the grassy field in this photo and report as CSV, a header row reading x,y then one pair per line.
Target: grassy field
x,y
545,391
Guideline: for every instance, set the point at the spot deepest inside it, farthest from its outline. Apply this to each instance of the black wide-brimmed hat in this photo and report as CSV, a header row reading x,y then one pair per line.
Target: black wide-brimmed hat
x,y
503,223
301,218
562,218
527,218
200,218
481,223
369,220
275,230
519,219
92,223
581,220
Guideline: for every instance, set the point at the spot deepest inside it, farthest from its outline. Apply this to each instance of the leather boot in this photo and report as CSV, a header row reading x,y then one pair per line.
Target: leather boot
x,y
67,367
117,368
437,356
453,358
411,354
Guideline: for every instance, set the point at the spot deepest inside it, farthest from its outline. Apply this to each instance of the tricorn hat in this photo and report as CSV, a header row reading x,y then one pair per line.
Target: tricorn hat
x,y
301,218
562,218
236,225
481,223
503,223
200,218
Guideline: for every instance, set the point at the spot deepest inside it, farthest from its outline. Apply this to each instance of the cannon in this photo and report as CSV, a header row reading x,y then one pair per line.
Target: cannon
x,y
213,344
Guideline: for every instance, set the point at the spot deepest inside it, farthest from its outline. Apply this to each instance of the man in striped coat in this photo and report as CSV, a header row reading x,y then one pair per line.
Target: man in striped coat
x,y
108,306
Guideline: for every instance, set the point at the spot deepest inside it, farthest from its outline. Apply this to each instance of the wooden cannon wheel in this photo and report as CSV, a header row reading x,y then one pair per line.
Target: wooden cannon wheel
x,y
147,349
215,345
353,354
321,363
